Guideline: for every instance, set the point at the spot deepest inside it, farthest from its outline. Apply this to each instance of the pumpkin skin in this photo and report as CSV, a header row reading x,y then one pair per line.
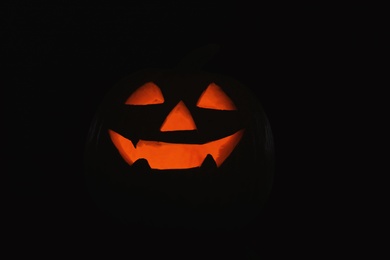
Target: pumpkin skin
x,y
208,193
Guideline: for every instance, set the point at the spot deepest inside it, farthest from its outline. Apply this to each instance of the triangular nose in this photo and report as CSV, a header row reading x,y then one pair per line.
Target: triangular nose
x,y
178,119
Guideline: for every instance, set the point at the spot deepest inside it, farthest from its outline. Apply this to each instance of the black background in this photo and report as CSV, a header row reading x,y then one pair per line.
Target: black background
x,y
59,59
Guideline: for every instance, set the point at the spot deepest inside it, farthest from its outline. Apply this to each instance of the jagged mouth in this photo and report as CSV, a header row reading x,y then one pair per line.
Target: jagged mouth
x,y
164,155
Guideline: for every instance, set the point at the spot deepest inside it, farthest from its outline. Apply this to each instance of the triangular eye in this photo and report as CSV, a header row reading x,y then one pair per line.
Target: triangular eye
x,y
147,94
215,98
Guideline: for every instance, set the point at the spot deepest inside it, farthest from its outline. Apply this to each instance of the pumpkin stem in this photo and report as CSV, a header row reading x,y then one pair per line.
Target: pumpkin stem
x,y
198,57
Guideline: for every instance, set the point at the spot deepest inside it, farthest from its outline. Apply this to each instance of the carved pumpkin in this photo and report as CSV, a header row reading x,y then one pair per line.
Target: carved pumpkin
x,y
166,155
180,147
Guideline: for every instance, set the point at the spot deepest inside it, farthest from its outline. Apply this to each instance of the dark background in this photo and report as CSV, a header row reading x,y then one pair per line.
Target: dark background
x,y
58,60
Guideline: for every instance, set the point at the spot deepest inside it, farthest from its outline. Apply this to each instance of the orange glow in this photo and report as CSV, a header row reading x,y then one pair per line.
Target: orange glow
x,y
147,94
162,155
178,119
214,98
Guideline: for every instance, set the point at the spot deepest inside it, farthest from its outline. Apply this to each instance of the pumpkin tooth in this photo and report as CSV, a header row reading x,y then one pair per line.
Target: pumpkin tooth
x,y
141,165
209,162
135,141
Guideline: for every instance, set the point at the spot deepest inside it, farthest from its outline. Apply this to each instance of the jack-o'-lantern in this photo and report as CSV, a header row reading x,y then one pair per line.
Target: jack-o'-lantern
x,y
180,147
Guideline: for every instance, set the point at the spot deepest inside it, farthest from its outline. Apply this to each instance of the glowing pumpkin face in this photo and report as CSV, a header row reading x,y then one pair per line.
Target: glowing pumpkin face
x,y
165,155
179,148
